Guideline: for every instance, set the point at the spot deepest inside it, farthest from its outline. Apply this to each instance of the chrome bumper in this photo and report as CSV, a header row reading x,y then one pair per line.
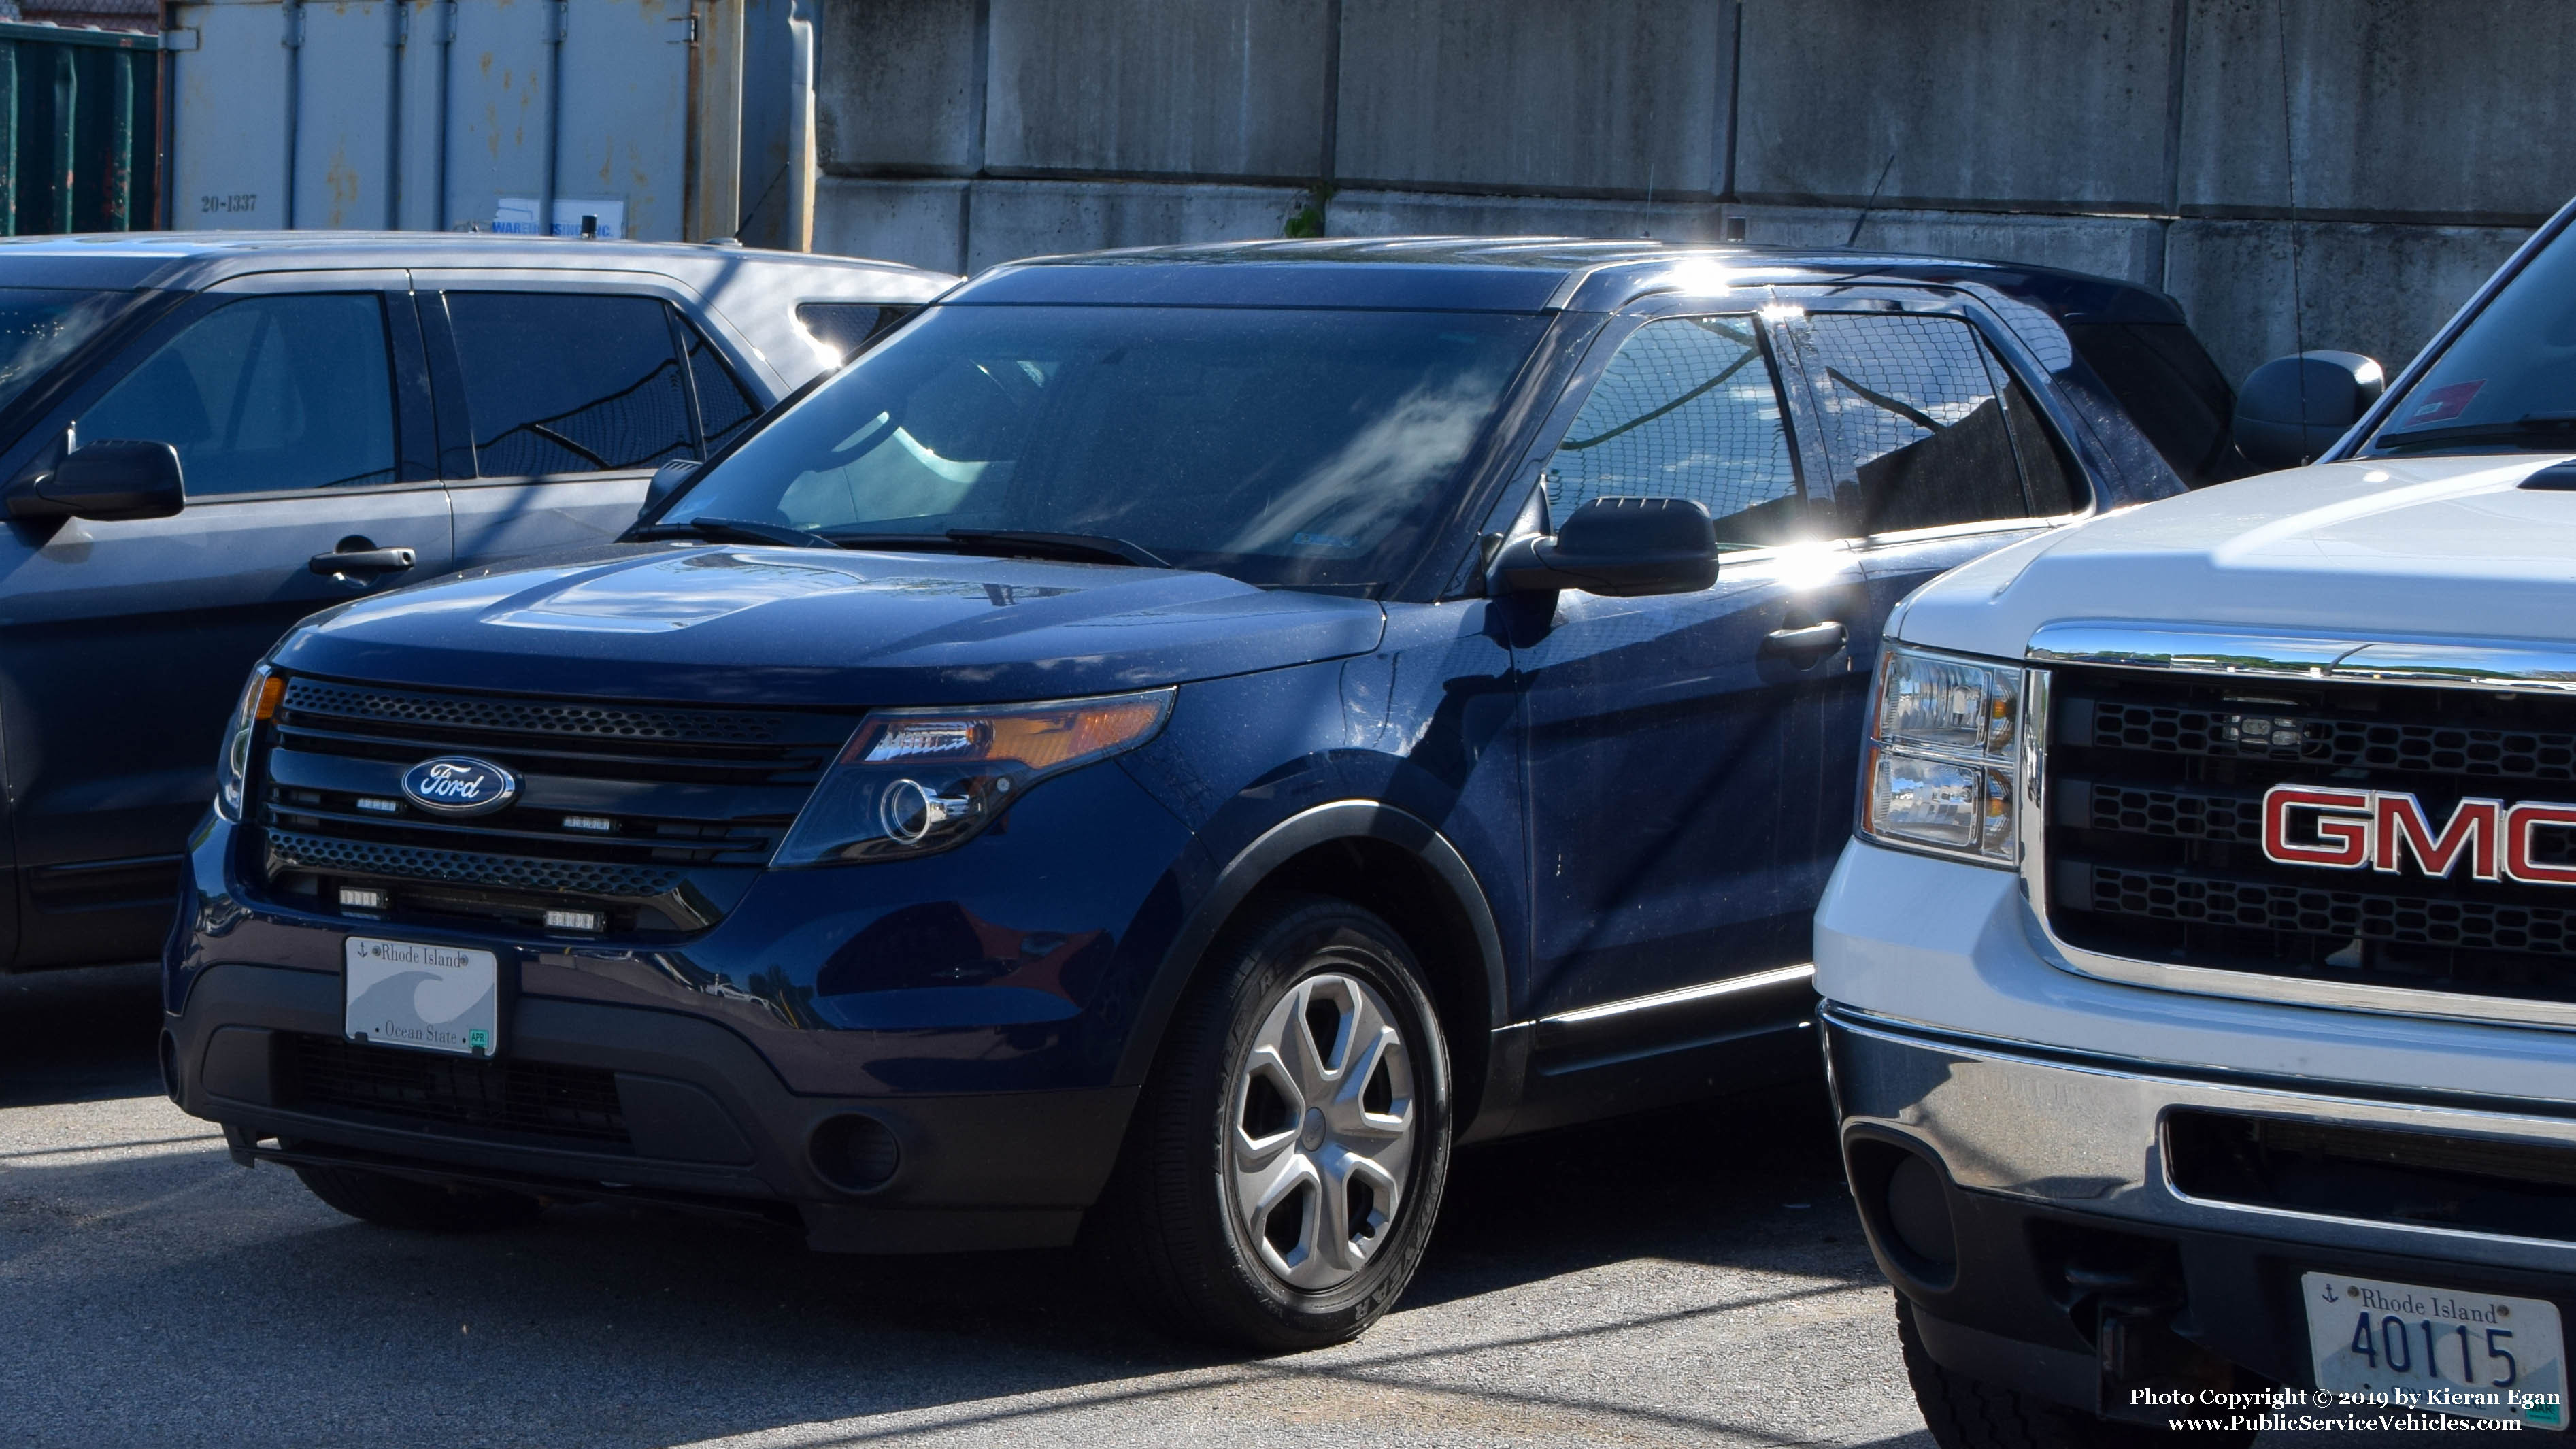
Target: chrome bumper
x,y
2086,1135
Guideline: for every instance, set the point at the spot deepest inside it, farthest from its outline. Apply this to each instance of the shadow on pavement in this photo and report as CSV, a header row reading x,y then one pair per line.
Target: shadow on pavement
x,y
79,1036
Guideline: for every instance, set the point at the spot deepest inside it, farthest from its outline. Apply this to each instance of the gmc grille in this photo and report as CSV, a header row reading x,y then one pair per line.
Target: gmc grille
x,y
651,819
2153,844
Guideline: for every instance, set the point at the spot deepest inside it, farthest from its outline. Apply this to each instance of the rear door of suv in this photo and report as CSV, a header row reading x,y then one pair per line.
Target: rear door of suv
x,y
297,404
558,395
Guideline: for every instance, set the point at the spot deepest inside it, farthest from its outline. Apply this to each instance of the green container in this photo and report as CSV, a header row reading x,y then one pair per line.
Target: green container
x,y
80,129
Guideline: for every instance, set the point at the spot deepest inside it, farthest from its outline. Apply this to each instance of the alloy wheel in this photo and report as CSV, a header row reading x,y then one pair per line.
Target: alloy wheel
x,y
1321,1131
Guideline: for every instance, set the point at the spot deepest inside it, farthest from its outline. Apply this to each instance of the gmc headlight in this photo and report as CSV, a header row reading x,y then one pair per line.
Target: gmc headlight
x,y
258,702
1944,750
917,781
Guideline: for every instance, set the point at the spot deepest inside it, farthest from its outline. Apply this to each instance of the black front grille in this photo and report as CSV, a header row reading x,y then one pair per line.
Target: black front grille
x,y
2526,1189
645,818
2154,839
459,1095
527,716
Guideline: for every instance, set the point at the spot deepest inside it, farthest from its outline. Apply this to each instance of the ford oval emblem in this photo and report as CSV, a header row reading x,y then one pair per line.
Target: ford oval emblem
x,y
459,785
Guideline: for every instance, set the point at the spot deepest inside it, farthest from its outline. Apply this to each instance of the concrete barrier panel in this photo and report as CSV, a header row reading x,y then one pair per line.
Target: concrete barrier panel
x,y
1415,213
1997,101
2379,290
1170,87
1610,96
2103,246
894,88
1013,219
2414,111
918,222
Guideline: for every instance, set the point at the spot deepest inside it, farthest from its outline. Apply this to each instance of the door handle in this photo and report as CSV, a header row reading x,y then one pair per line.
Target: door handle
x,y
1808,644
364,561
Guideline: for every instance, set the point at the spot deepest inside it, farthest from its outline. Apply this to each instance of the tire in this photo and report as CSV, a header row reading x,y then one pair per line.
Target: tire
x,y
402,1202
1237,1238
1966,1413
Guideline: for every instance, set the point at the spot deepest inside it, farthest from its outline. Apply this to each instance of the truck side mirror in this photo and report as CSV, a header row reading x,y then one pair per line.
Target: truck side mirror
x,y
666,481
2293,408
109,480
1621,547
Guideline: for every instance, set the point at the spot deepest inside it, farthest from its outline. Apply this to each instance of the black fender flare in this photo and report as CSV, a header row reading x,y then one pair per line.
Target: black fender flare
x,y
1308,828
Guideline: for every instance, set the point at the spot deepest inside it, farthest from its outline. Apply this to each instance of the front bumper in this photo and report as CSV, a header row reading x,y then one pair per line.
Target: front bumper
x,y
704,1119
2055,1172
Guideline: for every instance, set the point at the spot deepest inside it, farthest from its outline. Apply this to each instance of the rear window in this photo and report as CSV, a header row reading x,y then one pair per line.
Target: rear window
x,y
2164,379
569,383
841,327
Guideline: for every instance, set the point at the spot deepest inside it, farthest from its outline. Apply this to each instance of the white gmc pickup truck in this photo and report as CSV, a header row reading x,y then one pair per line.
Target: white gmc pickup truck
x,y
2201,983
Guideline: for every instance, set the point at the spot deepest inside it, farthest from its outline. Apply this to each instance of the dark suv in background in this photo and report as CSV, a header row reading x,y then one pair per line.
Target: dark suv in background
x,y
1182,737
205,437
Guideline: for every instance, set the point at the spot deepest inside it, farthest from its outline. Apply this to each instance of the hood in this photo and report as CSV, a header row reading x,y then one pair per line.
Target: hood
x,y
800,626
2424,549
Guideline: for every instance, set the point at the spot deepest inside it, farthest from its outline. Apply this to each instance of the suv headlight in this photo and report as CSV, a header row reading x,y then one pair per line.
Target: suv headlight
x,y
917,781
1944,751
258,702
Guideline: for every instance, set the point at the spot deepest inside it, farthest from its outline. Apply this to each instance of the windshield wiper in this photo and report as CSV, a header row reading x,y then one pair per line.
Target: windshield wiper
x,y
2530,427
740,530
1011,543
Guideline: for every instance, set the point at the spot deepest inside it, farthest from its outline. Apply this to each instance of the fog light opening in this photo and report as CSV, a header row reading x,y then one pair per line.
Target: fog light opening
x,y
855,1153
1918,1212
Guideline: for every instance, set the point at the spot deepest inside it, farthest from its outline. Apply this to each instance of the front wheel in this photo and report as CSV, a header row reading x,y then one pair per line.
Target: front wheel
x,y
1281,1177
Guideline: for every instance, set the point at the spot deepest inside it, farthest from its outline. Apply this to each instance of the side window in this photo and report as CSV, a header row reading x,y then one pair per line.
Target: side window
x,y
1687,409
1929,425
569,383
842,326
267,393
2165,381
725,406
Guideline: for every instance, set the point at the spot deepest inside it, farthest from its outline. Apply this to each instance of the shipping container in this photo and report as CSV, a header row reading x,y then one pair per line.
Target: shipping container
x,y
80,130
620,118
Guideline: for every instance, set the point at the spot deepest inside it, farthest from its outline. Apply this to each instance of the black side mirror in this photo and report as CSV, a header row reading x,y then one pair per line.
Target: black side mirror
x,y
1622,547
107,480
666,481
2293,408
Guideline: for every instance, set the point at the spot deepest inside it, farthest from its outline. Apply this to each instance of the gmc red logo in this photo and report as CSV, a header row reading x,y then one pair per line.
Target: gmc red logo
x,y
2350,829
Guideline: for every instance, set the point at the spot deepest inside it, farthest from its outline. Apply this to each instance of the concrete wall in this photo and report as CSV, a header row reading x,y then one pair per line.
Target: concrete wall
x,y
2327,173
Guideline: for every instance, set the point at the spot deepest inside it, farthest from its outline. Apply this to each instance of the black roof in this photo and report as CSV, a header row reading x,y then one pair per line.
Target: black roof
x,y
1516,274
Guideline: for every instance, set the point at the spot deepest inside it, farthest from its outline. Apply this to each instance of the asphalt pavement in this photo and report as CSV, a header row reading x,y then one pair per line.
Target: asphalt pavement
x,y
1689,1277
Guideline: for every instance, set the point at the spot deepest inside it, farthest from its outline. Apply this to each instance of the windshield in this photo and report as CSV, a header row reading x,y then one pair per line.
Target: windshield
x,y
39,328
2508,382
1299,448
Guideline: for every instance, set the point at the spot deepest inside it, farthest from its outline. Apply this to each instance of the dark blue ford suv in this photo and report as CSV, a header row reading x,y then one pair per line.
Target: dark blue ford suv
x,y
1175,739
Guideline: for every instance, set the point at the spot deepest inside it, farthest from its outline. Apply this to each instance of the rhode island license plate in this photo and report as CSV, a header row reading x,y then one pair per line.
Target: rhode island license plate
x,y
408,993
2436,1350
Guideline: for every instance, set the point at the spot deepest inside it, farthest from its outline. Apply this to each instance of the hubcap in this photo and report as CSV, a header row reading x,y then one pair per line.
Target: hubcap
x,y
1322,1131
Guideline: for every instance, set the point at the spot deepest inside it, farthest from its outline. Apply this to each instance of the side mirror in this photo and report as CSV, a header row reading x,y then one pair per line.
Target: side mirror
x,y
1621,547
666,481
107,480
2293,408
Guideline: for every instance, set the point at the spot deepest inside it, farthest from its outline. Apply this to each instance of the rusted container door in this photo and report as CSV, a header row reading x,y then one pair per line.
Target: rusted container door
x,y
79,130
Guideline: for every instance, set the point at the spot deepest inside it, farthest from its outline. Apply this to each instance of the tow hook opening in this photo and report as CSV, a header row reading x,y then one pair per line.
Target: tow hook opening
x,y
2128,1296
